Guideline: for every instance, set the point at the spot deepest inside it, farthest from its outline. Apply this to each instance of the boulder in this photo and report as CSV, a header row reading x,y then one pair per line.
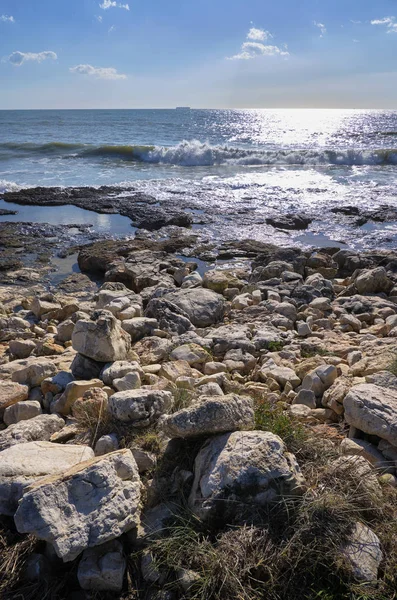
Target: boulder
x,y
22,411
102,339
102,568
169,316
210,415
88,505
140,407
119,369
191,353
246,466
23,464
152,350
203,307
73,391
11,393
373,409
40,428
33,371
83,367
22,348
139,327
372,281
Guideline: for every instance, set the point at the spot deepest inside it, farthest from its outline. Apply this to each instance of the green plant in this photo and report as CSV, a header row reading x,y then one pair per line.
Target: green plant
x,y
275,346
270,417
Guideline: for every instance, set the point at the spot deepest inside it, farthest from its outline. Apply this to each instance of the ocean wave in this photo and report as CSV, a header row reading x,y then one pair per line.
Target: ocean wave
x,y
198,154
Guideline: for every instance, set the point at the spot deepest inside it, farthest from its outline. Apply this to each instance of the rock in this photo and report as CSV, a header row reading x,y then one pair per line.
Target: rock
x,y
306,397
211,415
383,379
92,406
40,307
146,461
219,281
21,411
303,329
175,369
23,464
372,281
289,221
140,407
363,553
33,371
73,391
190,353
22,348
238,361
11,393
363,477
250,467
152,350
106,444
131,381
86,506
334,396
102,568
350,323
118,370
14,328
211,389
102,339
211,368
86,368
139,327
373,409
282,375
65,331
356,447
203,307
39,428
170,317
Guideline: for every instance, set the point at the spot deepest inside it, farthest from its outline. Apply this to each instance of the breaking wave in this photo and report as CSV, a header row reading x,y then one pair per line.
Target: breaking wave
x,y
198,154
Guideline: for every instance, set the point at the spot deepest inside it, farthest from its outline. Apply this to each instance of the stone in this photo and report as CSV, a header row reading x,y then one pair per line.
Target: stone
x,y
92,406
306,397
334,396
141,407
131,381
146,461
203,307
191,353
102,339
118,370
219,281
282,375
350,323
210,415
372,281
21,411
363,476
25,463
106,444
303,329
211,368
88,505
152,350
252,467
240,361
327,374
73,391
139,327
175,369
39,428
373,409
211,389
170,317
363,553
11,393
40,307
357,447
102,568
33,371
83,367
22,348
65,331
383,379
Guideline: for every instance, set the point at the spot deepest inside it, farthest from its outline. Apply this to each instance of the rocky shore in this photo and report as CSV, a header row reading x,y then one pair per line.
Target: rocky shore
x,y
172,433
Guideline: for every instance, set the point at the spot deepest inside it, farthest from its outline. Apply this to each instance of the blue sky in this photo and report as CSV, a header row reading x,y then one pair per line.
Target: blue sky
x,y
211,53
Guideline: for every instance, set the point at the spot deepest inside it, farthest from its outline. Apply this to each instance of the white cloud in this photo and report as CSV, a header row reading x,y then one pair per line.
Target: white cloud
x,y
6,19
98,72
321,27
18,58
259,35
112,28
113,4
389,22
99,18
253,49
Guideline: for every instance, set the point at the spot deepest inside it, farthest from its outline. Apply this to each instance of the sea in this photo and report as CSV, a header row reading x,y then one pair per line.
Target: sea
x,y
242,165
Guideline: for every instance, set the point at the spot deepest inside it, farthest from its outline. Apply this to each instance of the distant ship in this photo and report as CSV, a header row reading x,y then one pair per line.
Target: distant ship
x,y
183,108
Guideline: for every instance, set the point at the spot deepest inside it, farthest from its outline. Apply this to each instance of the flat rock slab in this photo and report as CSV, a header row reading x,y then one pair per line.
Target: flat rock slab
x,y
373,409
39,428
11,393
90,504
23,464
203,307
140,407
210,415
32,371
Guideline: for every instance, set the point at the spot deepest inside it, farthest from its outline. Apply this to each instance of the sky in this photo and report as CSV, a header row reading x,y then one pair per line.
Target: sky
x,y
206,54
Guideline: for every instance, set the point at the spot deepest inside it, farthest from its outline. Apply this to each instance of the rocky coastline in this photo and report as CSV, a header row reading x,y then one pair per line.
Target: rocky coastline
x,y
172,431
